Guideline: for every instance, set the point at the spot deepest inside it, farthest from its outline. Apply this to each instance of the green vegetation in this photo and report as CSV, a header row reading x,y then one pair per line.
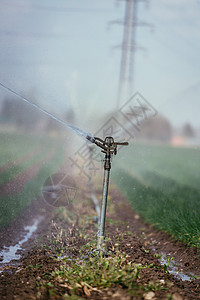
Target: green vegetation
x,y
98,272
15,146
162,184
82,276
12,203
10,173
84,271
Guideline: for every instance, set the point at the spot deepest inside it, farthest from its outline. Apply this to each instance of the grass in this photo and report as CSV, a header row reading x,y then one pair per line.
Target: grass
x,y
15,146
13,171
179,164
161,184
98,272
11,205
84,272
81,277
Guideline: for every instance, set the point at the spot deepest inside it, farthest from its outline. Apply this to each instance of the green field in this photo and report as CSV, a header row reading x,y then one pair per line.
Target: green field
x,y
162,184
18,153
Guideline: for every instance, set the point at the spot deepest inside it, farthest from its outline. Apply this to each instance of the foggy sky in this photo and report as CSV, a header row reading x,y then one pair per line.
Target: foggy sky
x,y
61,53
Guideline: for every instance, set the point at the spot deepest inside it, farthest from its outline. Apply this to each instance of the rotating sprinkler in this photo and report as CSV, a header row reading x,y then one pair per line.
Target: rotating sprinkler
x,y
109,147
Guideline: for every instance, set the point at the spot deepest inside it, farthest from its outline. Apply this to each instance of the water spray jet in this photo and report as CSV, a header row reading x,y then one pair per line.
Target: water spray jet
x,y
78,131
109,147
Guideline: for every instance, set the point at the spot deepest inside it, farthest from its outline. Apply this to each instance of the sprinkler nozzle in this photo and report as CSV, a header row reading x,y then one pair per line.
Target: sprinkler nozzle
x,y
90,138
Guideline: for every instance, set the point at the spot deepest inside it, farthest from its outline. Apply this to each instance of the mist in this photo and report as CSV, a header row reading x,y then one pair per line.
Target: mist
x,y
99,147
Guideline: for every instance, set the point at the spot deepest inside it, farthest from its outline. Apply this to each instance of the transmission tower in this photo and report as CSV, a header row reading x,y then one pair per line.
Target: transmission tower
x,y
130,23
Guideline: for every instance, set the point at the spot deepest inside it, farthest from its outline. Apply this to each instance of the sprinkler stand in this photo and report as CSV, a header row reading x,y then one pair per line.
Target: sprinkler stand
x,y
107,167
109,148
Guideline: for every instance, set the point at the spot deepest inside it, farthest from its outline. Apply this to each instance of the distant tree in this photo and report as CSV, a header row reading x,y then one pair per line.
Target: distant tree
x,y
6,114
156,128
53,125
19,114
70,116
188,131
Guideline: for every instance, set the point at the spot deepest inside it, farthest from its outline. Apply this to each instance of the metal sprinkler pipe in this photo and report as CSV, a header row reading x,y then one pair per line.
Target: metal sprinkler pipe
x,y
109,147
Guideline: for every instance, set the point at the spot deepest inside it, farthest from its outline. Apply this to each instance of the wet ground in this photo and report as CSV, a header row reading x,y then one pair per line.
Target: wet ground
x,y
34,239
10,253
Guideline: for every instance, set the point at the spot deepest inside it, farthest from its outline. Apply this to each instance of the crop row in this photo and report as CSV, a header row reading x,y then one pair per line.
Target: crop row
x,y
161,184
34,152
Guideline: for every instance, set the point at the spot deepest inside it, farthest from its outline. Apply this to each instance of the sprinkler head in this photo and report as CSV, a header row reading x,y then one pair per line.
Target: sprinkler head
x,y
108,145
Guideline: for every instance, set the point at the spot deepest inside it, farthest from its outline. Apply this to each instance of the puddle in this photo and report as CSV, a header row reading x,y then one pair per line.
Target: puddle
x,y
175,268
12,252
70,258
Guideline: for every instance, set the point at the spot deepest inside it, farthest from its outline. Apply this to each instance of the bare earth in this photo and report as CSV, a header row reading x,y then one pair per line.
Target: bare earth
x,y
139,241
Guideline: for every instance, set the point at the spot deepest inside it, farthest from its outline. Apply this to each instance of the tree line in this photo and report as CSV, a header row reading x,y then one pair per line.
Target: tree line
x,y
23,116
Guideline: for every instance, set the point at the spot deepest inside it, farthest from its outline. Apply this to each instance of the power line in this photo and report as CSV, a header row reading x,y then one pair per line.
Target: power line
x,y
32,34
56,9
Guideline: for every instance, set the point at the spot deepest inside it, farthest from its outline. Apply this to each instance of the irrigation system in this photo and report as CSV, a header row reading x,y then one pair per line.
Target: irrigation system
x,y
109,147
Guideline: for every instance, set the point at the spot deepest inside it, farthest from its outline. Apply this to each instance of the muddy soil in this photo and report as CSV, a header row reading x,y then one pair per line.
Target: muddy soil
x,y
124,230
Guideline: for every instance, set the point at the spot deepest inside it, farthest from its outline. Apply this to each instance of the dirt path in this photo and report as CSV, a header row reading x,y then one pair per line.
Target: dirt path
x,y
63,229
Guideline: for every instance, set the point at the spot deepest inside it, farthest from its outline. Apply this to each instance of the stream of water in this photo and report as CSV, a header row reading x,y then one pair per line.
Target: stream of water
x,y
11,253
78,131
175,269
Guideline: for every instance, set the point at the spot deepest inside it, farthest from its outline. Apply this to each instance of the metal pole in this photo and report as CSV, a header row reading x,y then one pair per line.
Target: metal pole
x,y
125,56
107,167
109,147
101,231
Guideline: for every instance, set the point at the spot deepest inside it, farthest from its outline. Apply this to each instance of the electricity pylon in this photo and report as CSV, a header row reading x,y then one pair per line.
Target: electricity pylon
x,y
126,75
127,48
